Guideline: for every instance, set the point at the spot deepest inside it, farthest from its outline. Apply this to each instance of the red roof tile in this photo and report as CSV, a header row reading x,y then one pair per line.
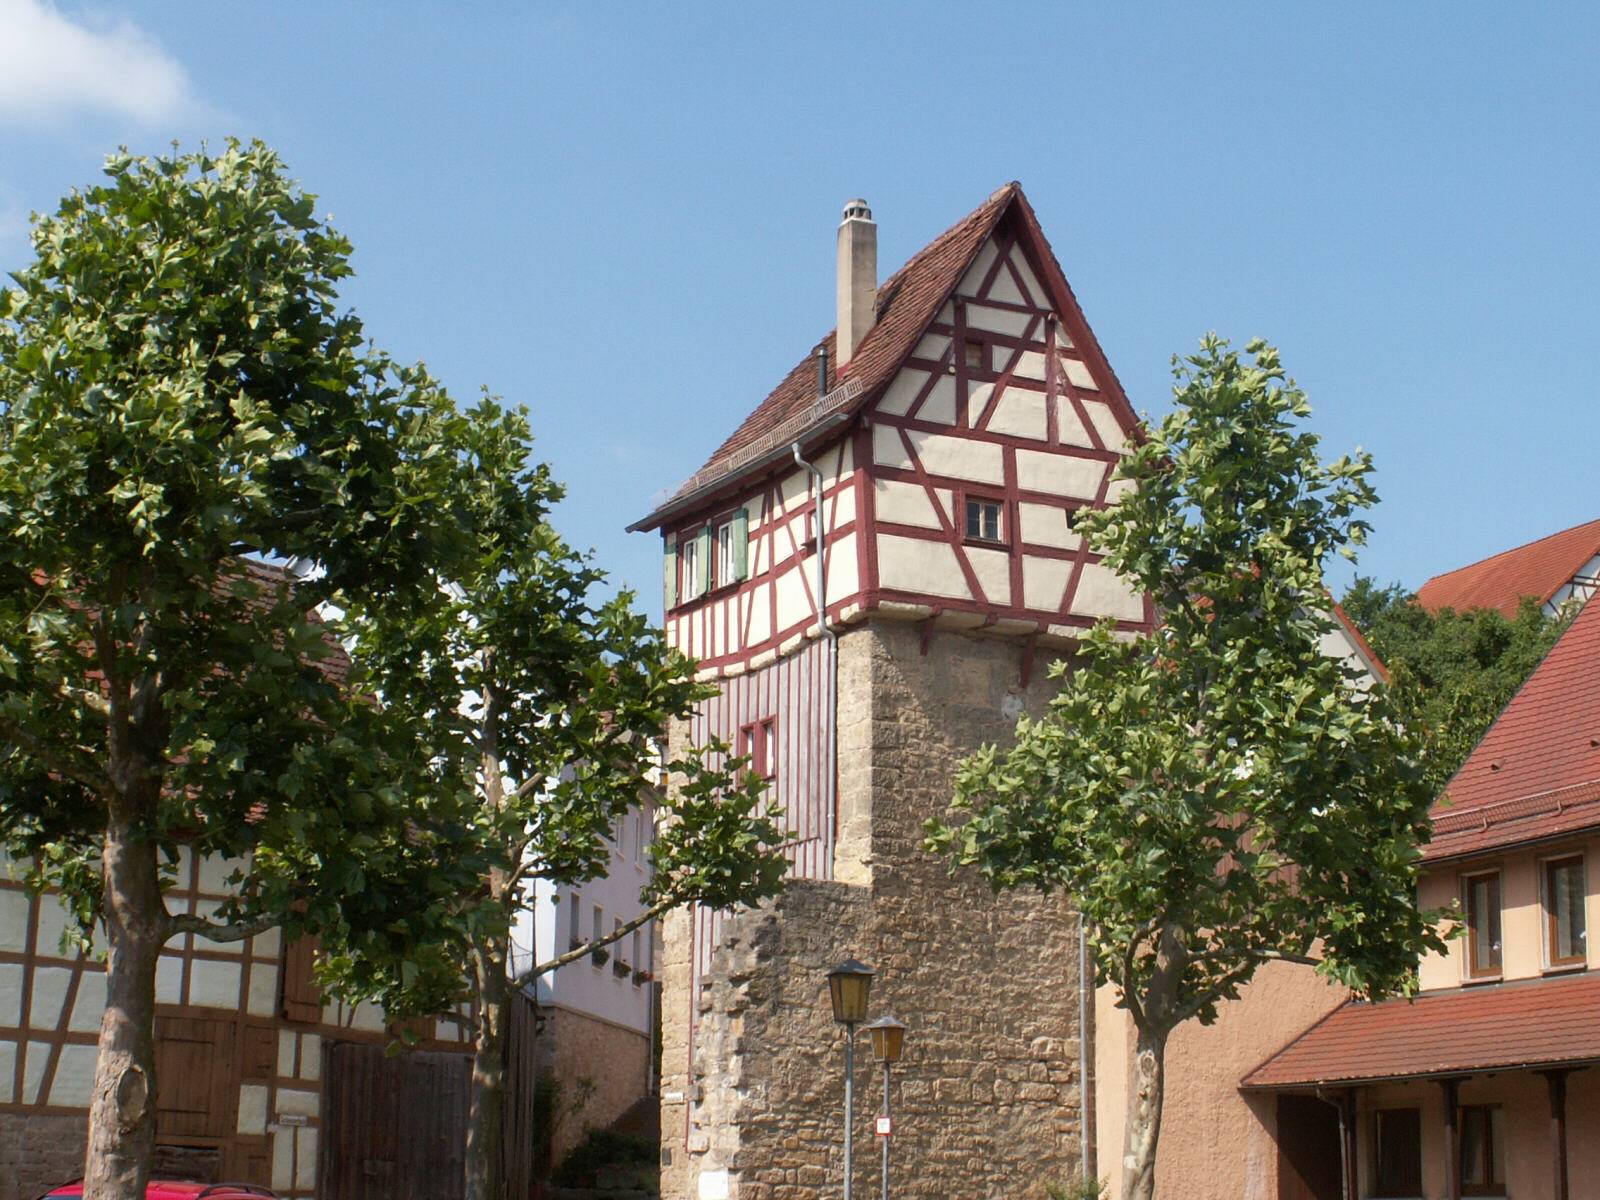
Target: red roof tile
x,y
1536,773
1538,569
907,302
1498,1027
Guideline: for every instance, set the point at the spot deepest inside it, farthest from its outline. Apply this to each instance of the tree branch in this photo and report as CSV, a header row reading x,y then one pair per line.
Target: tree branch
x,y
571,956
530,785
217,932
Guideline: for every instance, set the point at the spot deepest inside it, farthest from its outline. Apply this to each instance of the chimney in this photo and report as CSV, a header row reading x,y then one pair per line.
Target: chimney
x,y
858,278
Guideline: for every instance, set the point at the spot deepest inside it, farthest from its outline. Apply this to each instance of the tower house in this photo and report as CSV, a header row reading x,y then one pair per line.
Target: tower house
x,y
876,567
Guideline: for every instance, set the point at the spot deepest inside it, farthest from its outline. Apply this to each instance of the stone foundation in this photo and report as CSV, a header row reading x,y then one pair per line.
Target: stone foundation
x,y
986,1100
40,1151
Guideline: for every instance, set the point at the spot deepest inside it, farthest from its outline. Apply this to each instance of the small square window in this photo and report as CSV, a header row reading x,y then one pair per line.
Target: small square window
x,y
977,355
983,520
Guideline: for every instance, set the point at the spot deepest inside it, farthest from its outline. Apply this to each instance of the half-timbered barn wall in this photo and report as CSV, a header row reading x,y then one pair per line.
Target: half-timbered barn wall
x,y
241,1037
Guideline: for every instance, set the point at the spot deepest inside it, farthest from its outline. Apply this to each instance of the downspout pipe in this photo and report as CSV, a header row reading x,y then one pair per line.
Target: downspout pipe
x,y
820,574
819,571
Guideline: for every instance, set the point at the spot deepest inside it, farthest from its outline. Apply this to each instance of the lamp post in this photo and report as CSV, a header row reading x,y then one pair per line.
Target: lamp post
x,y
848,985
888,1036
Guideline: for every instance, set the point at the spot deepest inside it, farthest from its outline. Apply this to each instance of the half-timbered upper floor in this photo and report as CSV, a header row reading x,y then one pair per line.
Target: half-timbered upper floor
x,y
935,471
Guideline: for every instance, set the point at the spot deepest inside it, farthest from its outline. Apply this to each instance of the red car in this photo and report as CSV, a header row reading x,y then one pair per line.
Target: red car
x,y
174,1190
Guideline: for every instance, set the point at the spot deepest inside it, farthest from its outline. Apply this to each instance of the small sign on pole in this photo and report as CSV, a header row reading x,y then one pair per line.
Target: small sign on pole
x,y
885,1126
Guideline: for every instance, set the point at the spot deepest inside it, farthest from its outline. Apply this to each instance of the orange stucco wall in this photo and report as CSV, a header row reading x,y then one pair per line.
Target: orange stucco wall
x,y
1216,1143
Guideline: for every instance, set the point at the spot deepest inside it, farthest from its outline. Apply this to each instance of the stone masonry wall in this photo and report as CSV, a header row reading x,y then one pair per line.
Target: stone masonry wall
x,y
986,1099
574,1046
39,1151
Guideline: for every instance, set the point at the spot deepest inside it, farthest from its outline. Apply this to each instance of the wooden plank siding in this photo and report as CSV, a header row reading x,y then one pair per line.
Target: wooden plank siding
x,y
393,1125
797,694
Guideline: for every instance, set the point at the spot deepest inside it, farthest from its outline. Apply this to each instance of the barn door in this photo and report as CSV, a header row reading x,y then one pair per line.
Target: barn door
x,y
393,1125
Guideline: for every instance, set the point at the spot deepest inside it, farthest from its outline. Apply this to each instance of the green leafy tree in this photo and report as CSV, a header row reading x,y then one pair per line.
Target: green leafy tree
x,y
1215,793
1451,673
181,403
542,710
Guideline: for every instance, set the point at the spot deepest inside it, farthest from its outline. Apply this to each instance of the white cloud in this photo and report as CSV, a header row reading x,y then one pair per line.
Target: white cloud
x,y
52,64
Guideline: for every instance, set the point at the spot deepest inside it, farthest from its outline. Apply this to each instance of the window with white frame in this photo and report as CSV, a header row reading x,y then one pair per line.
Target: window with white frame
x,y
689,577
726,568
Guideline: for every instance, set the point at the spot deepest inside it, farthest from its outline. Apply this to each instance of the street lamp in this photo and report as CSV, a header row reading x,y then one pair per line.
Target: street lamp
x,y
848,985
888,1036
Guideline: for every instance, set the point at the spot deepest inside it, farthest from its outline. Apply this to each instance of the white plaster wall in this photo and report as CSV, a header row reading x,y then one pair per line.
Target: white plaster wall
x,y
543,932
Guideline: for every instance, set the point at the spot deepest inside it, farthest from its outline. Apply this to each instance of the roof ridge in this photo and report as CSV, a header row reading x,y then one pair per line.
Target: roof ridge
x,y
1488,558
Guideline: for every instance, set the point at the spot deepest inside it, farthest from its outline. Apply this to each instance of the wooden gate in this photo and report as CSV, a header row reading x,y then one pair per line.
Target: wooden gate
x,y
200,1062
393,1125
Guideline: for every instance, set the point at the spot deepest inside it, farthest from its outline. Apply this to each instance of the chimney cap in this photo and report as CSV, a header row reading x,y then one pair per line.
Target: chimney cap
x,y
857,209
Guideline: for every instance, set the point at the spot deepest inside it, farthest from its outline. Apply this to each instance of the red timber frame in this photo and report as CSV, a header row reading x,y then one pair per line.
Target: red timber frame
x,y
784,551
1054,327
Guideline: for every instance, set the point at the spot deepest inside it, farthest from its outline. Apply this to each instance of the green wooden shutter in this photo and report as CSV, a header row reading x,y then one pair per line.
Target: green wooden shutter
x,y
670,572
703,566
741,544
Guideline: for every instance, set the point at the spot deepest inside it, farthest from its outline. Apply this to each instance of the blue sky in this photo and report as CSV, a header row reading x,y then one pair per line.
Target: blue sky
x,y
622,216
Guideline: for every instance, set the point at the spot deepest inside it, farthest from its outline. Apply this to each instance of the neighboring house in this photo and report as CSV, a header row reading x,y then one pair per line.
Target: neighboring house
x,y
1217,1142
596,1015
1552,570
1481,1087
259,1081
877,567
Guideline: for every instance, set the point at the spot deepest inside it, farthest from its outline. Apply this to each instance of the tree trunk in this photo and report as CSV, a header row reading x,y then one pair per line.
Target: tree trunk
x,y
122,1112
486,1111
1144,1116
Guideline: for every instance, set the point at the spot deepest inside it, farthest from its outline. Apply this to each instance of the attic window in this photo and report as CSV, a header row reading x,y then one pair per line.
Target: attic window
x,y
977,355
984,520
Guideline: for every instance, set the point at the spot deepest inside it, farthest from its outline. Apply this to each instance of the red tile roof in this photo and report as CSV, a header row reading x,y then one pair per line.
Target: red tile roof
x,y
1538,569
907,303
1536,773
1499,1027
